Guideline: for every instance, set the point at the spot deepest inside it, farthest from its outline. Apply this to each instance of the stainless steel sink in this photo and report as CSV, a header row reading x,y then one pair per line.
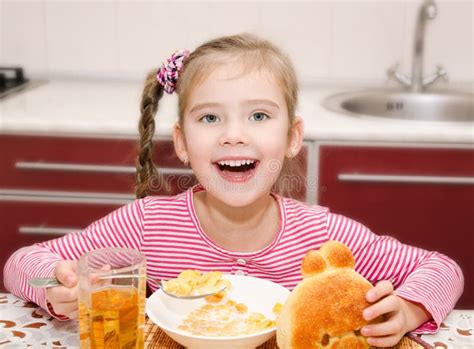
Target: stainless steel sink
x,y
414,102
398,104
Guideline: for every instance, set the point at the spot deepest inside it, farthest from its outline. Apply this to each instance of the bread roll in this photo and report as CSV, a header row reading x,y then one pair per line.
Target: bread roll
x,y
325,309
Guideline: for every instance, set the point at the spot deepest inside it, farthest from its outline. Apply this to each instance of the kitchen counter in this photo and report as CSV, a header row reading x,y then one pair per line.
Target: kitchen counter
x,y
111,108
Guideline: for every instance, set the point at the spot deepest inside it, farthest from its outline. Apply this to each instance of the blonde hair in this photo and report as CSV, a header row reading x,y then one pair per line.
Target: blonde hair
x,y
254,54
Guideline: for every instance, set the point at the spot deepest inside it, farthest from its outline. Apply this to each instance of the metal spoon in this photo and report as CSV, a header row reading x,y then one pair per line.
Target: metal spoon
x,y
43,282
53,282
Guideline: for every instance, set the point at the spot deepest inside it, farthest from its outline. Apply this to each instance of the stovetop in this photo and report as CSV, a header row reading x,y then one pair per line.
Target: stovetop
x,y
11,79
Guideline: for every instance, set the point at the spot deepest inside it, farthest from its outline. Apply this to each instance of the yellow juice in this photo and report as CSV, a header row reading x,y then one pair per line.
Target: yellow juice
x,y
115,319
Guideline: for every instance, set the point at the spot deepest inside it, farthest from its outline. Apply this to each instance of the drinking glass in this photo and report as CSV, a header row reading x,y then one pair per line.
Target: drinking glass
x,y
111,294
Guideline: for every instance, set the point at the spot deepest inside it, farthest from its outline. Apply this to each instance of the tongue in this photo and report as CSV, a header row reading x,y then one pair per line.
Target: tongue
x,y
243,168
238,174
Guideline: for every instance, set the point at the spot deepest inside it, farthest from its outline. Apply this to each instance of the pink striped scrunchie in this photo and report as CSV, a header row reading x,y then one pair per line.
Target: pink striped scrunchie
x,y
168,74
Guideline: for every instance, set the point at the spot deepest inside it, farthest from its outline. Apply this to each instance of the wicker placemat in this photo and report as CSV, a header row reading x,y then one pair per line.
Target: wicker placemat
x,y
155,338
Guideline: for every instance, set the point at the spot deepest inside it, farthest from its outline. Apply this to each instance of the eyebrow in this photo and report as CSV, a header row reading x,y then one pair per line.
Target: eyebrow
x,y
246,102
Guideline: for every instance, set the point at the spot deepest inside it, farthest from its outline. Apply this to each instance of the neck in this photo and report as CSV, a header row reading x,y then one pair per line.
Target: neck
x,y
241,229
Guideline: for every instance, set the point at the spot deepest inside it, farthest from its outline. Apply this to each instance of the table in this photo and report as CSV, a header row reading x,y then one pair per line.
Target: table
x,y
25,325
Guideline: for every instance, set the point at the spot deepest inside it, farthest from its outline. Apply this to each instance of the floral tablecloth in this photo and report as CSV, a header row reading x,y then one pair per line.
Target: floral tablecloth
x,y
25,325
456,331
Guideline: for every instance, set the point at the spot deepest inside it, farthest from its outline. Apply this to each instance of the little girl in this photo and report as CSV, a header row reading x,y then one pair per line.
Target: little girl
x,y
238,131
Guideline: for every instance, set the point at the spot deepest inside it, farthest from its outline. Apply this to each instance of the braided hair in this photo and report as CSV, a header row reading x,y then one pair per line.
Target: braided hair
x,y
146,170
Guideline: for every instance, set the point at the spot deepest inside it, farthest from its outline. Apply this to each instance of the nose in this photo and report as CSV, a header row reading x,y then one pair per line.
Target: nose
x,y
233,133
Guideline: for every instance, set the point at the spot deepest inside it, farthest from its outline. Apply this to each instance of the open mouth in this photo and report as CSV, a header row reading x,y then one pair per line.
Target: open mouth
x,y
236,166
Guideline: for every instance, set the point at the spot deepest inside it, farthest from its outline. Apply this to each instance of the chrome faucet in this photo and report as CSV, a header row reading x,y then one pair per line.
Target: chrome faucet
x,y
417,83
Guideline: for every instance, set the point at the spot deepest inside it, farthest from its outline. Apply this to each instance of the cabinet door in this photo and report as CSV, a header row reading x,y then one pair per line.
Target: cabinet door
x,y
423,197
71,164
26,223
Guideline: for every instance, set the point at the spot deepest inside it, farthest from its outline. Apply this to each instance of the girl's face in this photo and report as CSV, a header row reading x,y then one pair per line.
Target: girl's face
x,y
235,135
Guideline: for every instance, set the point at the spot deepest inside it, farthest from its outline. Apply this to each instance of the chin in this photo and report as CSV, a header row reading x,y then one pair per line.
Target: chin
x,y
238,195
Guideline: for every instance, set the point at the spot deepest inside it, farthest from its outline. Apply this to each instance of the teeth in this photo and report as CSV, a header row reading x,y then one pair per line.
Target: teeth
x,y
235,163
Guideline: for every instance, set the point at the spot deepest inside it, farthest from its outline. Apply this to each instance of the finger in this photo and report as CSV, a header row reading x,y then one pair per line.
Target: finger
x,y
387,328
96,278
382,289
60,294
65,272
387,341
65,308
386,305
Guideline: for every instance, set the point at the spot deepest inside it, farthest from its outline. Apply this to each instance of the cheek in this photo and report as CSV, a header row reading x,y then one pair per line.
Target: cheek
x,y
199,154
276,141
275,157
197,145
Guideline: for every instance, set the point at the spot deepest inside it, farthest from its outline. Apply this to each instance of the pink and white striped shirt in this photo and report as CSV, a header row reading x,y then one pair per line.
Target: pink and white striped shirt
x,y
167,231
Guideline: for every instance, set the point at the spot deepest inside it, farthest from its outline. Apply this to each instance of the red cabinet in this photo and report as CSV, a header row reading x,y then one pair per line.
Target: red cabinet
x,y
25,223
422,196
104,165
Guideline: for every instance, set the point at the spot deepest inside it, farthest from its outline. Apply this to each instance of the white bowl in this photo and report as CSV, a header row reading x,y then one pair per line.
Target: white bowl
x,y
258,294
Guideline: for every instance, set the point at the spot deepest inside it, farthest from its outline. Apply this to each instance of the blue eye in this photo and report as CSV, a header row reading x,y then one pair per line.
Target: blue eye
x,y
209,119
259,117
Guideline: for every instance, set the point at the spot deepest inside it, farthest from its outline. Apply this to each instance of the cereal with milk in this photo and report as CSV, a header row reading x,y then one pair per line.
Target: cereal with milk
x,y
225,318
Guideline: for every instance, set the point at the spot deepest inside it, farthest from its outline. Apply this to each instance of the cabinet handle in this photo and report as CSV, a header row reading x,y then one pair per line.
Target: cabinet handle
x,y
40,230
65,197
61,167
348,177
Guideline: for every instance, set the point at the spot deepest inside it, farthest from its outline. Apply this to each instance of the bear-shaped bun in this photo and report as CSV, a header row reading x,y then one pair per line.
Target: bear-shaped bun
x,y
324,310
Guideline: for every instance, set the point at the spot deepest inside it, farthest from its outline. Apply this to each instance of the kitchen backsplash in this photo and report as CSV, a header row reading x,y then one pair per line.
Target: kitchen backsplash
x,y
327,40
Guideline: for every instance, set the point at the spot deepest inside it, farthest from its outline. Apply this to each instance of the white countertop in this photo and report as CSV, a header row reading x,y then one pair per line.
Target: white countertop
x,y
89,107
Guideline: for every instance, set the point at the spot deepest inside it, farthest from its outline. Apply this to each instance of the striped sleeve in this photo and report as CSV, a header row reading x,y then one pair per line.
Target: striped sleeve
x,y
420,276
121,228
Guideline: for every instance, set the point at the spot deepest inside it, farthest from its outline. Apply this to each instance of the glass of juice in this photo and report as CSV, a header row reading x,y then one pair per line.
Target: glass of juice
x,y
112,289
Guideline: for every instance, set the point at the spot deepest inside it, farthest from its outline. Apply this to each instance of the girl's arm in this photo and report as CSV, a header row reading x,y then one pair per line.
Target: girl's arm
x,y
121,228
429,279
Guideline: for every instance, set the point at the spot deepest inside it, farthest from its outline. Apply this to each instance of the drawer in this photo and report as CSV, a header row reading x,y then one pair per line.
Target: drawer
x,y
25,223
82,164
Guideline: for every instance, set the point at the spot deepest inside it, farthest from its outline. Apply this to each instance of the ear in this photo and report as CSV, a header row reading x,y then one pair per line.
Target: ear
x,y
295,137
179,143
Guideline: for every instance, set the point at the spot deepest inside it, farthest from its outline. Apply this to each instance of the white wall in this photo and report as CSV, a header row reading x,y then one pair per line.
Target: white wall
x,y
327,40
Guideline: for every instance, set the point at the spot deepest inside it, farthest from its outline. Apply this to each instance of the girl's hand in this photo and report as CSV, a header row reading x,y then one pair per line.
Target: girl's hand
x,y
63,298
399,316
